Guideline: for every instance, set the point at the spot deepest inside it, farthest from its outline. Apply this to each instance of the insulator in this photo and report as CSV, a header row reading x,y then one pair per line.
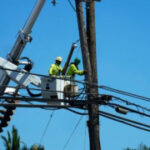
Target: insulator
x,y
3,111
7,114
4,123
1,117
121,110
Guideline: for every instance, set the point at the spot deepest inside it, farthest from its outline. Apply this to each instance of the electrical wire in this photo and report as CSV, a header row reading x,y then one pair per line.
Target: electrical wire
x,y
130,103
42,90
129,109
82,102
103,87
72,133
129,122
127,102
46,127
124,119
33,94
44,107
32,105
125,93
76,112
69,1
124,122
88,84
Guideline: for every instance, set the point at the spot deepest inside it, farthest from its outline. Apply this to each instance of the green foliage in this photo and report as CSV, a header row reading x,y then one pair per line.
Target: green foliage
x,y
12,142
37,147
140,147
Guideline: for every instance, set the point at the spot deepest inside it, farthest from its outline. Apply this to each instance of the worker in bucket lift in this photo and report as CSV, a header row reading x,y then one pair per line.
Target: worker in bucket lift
x,y
55,69
73,69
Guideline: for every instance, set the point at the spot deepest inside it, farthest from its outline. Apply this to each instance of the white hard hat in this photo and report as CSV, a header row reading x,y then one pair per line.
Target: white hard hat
x,y
59,58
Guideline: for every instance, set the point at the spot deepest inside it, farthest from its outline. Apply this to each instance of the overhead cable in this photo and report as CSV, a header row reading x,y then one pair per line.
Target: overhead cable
x,y
72,133
124,119
47,125
76,112
124,122
88,83
118,119
129,109
130,103
69,1
125,93
32,105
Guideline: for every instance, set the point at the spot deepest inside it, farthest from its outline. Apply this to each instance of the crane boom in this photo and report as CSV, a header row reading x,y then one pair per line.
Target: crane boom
x,y
22,39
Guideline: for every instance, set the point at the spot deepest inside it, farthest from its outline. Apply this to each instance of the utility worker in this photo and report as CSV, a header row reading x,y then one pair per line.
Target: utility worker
x,y
55,69
73,69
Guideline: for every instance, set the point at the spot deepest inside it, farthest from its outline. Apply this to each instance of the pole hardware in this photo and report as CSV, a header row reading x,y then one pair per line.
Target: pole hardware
x,y
121,110
25,37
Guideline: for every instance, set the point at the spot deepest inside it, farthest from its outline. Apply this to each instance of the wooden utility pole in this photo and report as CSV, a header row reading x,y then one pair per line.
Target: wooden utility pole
x,y
93,123
83,40
88,46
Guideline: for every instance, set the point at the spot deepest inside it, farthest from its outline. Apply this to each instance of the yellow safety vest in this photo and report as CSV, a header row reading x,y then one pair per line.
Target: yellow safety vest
x,y
73,70
55,70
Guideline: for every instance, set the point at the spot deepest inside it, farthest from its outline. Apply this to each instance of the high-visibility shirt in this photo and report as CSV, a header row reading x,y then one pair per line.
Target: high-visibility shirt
x,y
55,70
73,70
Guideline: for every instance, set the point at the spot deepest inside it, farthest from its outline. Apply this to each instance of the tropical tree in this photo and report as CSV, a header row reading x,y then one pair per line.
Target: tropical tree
x,y
37,147
33,147
140,147
13,142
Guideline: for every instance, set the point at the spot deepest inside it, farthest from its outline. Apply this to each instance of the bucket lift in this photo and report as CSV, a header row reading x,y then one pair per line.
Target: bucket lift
x,y
51,88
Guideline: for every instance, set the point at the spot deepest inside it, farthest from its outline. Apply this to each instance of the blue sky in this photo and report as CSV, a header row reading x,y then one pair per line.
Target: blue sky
x,y
123,50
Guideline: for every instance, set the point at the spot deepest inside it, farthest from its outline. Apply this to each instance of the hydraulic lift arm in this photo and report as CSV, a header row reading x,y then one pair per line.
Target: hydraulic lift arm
x,y
13,56
22,39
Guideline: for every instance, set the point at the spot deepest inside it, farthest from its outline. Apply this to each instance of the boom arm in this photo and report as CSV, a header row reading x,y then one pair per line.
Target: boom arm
x,y
22,39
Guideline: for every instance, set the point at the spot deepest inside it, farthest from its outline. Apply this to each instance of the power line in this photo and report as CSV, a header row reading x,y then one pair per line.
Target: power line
x,y
72,133
84,103
114,117
32,105
50,118
129,109
130,103
129,122
87,83
69,1
76,112
124,119
125,93
124,122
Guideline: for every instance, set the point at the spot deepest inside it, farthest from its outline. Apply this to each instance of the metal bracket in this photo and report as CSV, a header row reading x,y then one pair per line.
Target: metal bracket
x,y
18,75
25,37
